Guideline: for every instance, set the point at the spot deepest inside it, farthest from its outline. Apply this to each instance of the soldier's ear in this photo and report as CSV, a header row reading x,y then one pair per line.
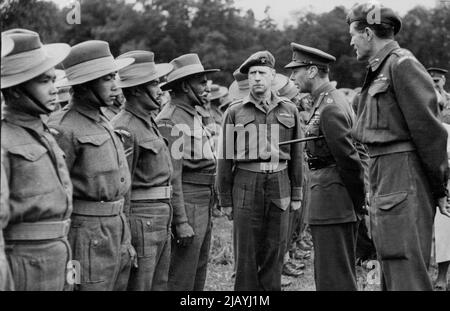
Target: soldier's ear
x,y
184,87
368,33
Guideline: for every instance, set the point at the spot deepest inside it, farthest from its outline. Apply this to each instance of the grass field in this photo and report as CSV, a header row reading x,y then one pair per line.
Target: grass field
x,y
220,268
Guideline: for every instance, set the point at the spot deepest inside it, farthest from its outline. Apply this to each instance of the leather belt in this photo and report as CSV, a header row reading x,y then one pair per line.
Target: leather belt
x,y
263,167
375,150
99,209
42,230
153,193
319,163
199,178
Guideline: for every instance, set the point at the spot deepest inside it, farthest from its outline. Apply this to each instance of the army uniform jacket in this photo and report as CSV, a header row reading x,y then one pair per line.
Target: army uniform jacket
x,y
398,103
40,188
94,152
191,147
146,149
246,113
336,191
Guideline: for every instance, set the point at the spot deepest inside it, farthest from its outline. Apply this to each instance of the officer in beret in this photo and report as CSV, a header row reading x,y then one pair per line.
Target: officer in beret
x,y
40,191
194,166
99,235
336,194
258,181
408,170
438,76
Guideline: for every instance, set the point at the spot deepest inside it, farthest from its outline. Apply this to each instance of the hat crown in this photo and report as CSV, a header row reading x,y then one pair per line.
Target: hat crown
x,y
139,56
374,13
86,51
186,60
24,40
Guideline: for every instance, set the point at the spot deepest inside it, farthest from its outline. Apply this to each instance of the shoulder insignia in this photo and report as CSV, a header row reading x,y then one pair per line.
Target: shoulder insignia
x,y
125,133
329,101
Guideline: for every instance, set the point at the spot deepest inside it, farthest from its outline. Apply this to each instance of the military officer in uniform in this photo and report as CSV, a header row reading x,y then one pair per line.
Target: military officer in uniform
x,y
148,206
336,179
438,76
258,181
194,167
99,233
40,190
397,121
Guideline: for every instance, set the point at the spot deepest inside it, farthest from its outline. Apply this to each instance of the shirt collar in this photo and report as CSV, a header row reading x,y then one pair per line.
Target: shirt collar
x,y
22,119
377,60
184,104
86,107
274,101
323,89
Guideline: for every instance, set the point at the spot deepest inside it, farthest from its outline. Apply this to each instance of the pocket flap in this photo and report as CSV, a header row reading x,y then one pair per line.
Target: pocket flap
x,y
389,201
378,88
245,119
287,121
31,152
152,145
96,140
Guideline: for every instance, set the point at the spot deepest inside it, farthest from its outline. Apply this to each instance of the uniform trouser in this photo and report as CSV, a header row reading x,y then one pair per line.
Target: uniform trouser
x,y
334,256
6,279
150,236
102,246
261,219
402,212
39,265
188,264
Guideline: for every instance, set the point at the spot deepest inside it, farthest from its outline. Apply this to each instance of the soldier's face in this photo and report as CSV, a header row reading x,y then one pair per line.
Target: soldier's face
x,y
154,89
199,85
43,89
106,88
439,82
260,79
300,77
360,42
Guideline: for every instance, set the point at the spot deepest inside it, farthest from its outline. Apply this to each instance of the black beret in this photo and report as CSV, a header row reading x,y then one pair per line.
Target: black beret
x,y
372,13
261,58
305,56
437,72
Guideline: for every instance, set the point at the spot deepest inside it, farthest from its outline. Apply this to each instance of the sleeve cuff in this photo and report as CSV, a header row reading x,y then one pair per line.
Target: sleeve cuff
x,y
296,194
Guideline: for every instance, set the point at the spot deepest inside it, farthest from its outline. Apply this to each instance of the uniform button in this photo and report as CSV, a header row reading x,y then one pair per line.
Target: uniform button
x,y
148,223
95,242
122,179
33,262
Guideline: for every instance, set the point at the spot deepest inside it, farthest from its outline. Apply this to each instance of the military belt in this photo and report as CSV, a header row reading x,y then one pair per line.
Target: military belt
x,y
42,230
375,150
99,209
263,167
199,178
153,193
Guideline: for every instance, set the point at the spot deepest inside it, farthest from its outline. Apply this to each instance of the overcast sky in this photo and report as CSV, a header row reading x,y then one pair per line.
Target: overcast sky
x,y
281,10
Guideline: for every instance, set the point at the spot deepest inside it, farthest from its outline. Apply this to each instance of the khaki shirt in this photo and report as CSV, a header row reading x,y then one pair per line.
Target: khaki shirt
x,y
94,152
191,146
398,103
146,149
280,123
39,183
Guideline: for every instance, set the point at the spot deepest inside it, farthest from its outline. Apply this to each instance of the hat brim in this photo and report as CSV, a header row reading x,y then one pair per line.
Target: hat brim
x,y
219,94
279,82
161,71
7,45
294,64
119,64
55,52
166,86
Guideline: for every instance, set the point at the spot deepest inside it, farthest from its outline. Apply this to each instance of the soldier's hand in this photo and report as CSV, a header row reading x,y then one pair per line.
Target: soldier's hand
x,y
185,234
227,211
295,205
444,206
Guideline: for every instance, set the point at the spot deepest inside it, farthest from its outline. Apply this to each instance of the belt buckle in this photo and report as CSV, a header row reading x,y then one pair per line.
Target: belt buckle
x,y
168,192
268,167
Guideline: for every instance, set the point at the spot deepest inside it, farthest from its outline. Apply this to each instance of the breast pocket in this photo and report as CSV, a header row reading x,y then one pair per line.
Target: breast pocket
x,y
152,155
98,153
33,172
286,124
379,105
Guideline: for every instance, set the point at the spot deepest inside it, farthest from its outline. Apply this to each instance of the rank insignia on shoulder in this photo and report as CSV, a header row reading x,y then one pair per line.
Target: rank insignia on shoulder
x,y
125,133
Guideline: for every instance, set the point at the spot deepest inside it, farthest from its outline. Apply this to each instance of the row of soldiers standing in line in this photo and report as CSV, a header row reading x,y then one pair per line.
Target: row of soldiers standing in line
x,y
108,193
